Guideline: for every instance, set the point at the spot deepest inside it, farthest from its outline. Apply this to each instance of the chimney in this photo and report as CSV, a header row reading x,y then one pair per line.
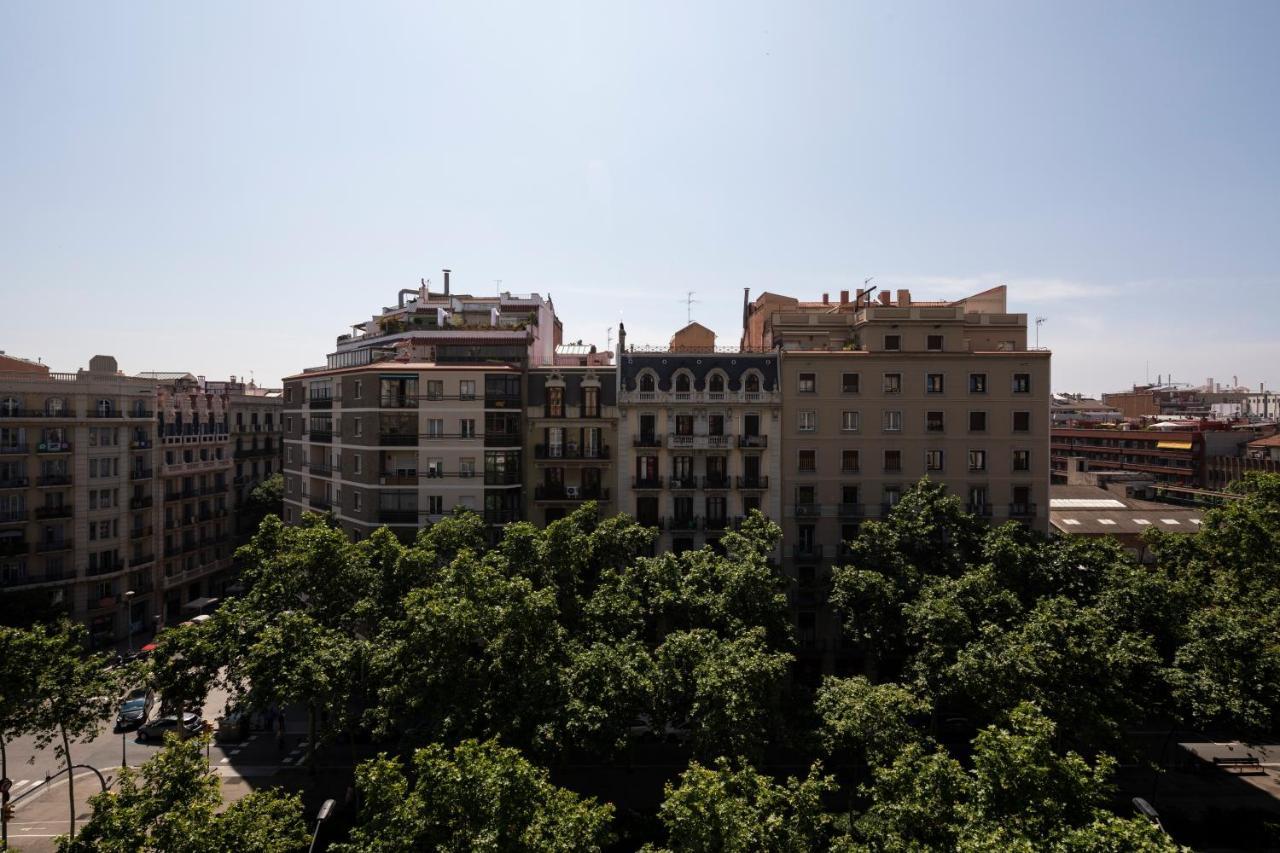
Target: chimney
x,y
446,282
826,299
622,337
884,297
844,297
904,298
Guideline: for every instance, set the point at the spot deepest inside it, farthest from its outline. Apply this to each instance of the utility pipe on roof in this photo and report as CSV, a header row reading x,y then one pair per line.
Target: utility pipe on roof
x,y
403,291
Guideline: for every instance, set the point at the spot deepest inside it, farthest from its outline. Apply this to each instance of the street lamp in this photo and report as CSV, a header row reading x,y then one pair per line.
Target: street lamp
x,y
321,816
1149,812
128,616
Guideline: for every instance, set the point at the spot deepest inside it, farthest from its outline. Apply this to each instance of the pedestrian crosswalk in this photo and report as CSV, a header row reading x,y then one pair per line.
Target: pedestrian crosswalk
x,y
20,785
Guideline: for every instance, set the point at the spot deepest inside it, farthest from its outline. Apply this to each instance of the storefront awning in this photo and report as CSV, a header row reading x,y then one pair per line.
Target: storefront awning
x,y
1173,445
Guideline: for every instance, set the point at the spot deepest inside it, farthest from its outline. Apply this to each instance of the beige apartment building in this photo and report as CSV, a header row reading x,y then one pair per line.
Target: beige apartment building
x,y
572,417
879,392
110,509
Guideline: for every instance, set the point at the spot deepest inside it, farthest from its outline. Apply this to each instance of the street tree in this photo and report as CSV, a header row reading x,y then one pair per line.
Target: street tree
x,y
173,804
75,692
478,796
19,682
731,808
873,722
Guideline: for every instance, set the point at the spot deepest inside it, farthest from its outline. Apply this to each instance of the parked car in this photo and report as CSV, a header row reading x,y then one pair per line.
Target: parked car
x,y
642,730
159,727
232,727
132,713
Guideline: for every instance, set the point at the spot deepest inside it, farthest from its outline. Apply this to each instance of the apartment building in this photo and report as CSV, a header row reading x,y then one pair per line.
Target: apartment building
x,y
698,437
418,411
572,417
257,435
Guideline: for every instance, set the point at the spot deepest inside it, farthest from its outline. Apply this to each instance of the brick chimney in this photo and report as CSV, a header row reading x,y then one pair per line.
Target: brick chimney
x,y
884,297
826,299
904,298
844,297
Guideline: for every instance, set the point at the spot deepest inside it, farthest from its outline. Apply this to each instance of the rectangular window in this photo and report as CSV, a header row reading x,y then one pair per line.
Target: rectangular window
x,y
468,427
933,343
1022,383
715,424
893,460
808,383
467,389
849,383
808,421
933,383
933,460
807,461
435,504
933,422
977,460
977,383
591,402
355,427
435,389
849,421
555,402
849,461
355,463
977,422
357,390
893,421
435,427
893,343
1022,422
1022,460
467,467
288,427
356,501
893,383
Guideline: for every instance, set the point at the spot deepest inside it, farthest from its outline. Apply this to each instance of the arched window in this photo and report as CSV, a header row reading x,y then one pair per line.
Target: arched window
x,y
9,407
55,406
682,383
753,383
104,408
646,382
716,384
139,408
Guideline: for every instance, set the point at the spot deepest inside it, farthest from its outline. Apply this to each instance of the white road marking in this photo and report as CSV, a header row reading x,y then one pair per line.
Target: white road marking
x,y
225,761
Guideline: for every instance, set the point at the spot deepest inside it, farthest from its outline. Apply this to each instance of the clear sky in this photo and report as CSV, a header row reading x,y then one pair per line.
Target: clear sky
x,y
224,187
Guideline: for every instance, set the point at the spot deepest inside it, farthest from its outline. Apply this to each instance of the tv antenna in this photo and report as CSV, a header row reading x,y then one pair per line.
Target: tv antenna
x,y
689,302
497,287
1039,322
609,339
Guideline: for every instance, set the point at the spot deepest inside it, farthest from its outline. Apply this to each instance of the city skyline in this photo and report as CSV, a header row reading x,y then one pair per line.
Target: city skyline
x,y
223,190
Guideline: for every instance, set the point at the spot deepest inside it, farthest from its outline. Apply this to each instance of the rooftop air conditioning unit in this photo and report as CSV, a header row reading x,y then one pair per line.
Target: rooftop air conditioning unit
x,y
572,492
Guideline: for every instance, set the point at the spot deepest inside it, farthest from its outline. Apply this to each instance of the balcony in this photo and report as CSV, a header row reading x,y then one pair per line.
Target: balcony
x,y
646,440
806,551
807,510
982,510
140,532
320,402
1022,510
54,480
553,451
320,469
53,447
140,474
493,400
54,545
547,492
398,516
501,516
13,547
502,478
396,439
140,503
398,401
886,508
646,482
699,442
649,521
142,560
10,516
717,481
753,483
403,478
13,448
850,511
319,436
140,444
753,441
677,525
682,484
10,581
63,511
14,483
720,523
321,504
501,439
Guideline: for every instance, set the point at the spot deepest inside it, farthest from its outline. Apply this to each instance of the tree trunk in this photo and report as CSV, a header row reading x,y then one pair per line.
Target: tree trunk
x,y
4,774
71,783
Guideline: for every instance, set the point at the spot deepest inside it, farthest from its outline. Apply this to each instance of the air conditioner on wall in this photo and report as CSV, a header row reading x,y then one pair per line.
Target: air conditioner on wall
x,y
571,491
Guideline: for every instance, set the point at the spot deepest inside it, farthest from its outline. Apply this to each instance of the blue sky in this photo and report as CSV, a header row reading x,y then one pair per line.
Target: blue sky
x,y
225,187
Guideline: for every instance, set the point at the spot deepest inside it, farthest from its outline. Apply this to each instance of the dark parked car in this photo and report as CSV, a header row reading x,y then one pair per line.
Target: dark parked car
x,y
131,714
161,726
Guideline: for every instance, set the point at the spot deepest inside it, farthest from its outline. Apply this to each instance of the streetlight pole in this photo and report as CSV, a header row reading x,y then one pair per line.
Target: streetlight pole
x,y
321,817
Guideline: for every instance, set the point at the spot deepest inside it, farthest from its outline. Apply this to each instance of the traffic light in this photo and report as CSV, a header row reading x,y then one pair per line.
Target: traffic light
x,y
8,813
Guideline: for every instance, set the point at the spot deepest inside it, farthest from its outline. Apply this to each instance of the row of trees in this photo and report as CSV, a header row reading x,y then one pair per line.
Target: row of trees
x,y
482,663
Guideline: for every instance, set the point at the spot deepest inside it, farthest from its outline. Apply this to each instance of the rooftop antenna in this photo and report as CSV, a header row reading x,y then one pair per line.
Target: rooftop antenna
x,y
866,290
497,287
609,337
689,302
1039,322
